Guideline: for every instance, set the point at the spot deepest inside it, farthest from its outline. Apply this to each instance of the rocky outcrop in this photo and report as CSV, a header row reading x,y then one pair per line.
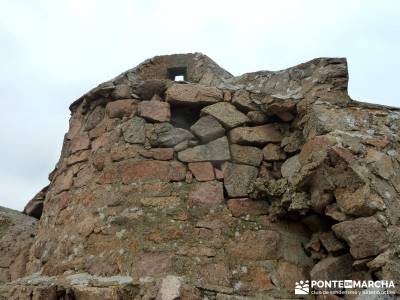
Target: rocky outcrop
x,y
17,233
218,187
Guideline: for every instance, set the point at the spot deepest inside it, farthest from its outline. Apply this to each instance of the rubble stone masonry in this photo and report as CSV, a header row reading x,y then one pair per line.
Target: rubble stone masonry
x,y
215,187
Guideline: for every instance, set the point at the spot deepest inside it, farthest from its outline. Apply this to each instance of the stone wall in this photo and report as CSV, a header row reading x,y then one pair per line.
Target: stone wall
x,y
218,187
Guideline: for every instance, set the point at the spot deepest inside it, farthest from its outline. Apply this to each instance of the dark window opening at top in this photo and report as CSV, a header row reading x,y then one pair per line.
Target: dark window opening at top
x,y
184,117
177,74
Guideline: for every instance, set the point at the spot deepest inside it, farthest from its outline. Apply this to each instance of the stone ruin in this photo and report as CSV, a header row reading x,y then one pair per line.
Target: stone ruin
x,y
212,187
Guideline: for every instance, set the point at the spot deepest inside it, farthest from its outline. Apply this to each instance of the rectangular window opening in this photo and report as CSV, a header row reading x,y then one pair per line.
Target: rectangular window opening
x,y
177,74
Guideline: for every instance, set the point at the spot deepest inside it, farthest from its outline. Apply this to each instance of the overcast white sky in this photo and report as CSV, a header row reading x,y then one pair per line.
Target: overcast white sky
x,y
52,51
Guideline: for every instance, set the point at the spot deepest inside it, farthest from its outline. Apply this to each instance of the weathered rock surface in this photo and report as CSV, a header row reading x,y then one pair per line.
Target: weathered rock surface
x,y
121,91
193,94
147,170
169,136
210,193
134,131
265,245
216,187
246,155
156,111
365,236
147,89
333,268
238,179
242,100
207,128
273,152
94,118
202,171
77,286
258,135
360,202
226,114
17,233
331,243
242,207
257,117
121,108
217,150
